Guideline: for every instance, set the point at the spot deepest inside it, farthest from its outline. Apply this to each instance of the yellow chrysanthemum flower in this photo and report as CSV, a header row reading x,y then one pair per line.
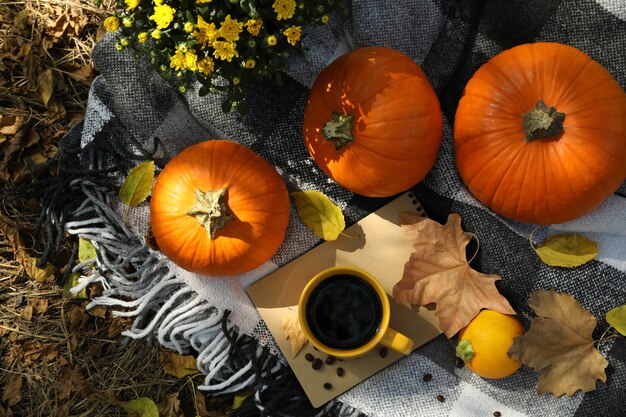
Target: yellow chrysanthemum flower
x,y
142,37
250,63
284,9
271,40
253,26
206,65
111,24
206,33
156,34
177,61
325,18
191,59
127,22
293,34
189,26
225,50
236,80
132,4
163,15
158,2
203,1
230,29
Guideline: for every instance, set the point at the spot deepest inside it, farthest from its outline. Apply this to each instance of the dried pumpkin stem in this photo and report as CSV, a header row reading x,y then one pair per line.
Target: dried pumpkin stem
x,y
465,350
339,130
210,210
542,122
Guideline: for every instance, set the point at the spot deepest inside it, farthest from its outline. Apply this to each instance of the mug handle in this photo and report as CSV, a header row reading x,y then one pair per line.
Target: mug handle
x,y
397,341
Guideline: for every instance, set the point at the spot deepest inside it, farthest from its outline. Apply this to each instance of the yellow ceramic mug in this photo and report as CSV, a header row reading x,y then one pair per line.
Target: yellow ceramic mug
x,y
344,312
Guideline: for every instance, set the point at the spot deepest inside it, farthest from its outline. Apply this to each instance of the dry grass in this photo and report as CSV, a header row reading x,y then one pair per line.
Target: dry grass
x,y
58,359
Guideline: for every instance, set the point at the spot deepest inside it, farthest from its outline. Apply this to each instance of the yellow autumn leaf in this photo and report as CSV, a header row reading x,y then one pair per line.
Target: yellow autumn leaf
x,y
617,319
86,250
138,183
319,214
141,407
70,282
293,332
567,250
178,365
241,398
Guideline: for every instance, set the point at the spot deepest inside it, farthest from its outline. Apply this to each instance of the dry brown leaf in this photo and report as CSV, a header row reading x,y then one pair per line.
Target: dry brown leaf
x,y
438,272
293,332
27,313
13,390
169,406
559,344
178,365
39,305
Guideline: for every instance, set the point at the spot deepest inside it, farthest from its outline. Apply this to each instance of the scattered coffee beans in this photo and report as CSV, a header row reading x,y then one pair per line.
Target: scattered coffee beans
x,y
441,398
328,386
497,414
330,360
459,363
383,352
340,371
427,377
308,357
317,364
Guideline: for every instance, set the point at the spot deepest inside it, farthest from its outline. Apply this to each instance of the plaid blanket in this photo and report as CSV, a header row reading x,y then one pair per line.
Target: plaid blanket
x,y
134,115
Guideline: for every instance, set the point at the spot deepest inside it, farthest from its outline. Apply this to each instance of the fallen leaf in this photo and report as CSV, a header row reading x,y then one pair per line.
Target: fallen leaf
x,y
13,390
178,365
46,82
98,311
617,319
567,250
559,344
141,407
70,282
169,406
138,183
41,275
10,125
86,250
293,333
319,214
27,313
241,398
39,305
438,272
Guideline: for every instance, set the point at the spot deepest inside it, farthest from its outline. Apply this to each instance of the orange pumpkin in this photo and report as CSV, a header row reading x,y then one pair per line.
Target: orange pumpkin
x,y
484,344
373,122
218,208
540,133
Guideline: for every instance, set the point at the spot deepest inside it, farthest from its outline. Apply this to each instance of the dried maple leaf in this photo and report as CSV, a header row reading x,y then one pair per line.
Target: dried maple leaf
x,y
293,333
438,272
559,344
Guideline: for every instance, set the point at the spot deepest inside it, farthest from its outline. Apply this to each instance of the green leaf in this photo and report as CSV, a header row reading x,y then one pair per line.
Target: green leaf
x,y
137,184
70,282
567,250
319,214
241,398
617,319
141,407
86,250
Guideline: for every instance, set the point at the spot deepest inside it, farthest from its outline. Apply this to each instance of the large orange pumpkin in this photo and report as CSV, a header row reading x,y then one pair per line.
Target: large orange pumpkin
x,y
540,133
218,208
373,122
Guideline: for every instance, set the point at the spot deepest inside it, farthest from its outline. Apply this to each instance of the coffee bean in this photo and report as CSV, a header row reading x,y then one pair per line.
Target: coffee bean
x,y
308,357
328,386
340,371
441,398
383,352
427,377
459,363
317,364
497,414
330,360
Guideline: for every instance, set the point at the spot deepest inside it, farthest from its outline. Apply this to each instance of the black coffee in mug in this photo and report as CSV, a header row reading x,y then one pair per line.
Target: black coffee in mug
x,y
344,312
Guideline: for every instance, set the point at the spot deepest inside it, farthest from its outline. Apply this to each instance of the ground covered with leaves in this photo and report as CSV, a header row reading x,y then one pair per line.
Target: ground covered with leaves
x,y
57,359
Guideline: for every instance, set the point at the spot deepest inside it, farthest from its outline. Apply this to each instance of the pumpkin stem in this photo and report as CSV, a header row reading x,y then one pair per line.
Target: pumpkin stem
x,y
465,350
210,210
542,122
339,130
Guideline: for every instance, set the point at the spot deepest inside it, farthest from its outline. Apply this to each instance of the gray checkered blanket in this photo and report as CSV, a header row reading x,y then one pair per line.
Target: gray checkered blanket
x,y
134,115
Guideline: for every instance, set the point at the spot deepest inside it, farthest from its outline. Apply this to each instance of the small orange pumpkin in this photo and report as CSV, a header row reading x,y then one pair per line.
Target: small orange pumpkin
x,y
218,208
540,133
373,122
484,344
